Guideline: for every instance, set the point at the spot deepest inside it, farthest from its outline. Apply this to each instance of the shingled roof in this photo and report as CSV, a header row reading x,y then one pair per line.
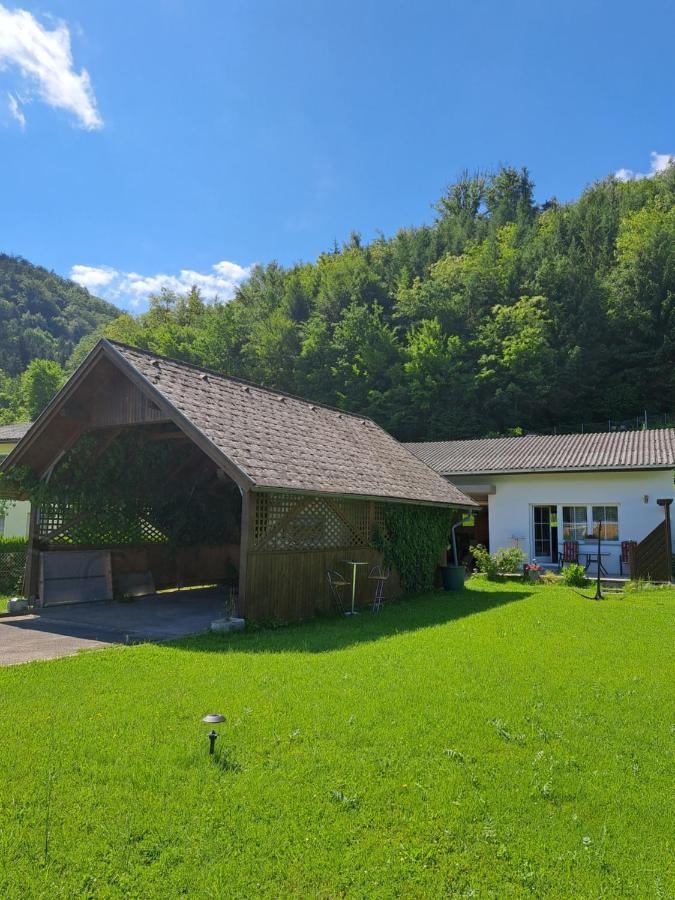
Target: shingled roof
x,y
652,449
277,441
14,432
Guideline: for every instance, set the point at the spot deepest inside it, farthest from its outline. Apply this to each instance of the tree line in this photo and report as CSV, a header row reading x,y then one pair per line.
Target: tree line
x,y
502,315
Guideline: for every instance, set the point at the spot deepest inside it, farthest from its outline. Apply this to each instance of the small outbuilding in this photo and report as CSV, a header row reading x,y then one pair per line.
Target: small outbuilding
x,y
240,482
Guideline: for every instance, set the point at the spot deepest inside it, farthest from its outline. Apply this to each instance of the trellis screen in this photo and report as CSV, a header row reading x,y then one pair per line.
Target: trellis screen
x,y
286,522
63,524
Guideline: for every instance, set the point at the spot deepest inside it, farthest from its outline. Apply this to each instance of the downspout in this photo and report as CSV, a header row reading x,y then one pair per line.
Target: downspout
x,y
454,540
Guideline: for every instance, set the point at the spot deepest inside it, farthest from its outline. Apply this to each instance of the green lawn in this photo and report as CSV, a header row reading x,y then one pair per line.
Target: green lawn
x,y
514,741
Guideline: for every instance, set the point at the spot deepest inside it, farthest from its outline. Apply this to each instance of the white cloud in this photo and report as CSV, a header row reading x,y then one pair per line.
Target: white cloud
x,y
658,162
45,61
92,276
132,289
16,111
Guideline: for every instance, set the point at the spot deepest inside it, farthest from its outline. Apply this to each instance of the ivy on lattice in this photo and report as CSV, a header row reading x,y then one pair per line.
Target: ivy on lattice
x,y
127,495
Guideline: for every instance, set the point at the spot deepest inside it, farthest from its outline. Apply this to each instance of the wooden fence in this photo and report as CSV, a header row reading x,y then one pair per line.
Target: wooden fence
x,y
652,557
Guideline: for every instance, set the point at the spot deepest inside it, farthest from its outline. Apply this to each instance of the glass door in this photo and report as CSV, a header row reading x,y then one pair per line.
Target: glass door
x,y
545,533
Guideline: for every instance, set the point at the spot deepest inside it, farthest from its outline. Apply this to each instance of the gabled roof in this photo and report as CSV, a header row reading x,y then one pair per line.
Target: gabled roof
x,y
268,440
13,432
650,449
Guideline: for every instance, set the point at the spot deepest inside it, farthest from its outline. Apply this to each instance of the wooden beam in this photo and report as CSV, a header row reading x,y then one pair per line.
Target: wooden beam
x,y
165,436
65,447
30,581
110,438
247,520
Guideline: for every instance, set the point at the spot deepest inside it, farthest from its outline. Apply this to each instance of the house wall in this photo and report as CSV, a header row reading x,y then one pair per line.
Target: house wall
x,y
15,522
510,513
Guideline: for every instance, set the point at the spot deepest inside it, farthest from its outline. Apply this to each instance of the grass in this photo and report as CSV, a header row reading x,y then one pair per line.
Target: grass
x,y
510,742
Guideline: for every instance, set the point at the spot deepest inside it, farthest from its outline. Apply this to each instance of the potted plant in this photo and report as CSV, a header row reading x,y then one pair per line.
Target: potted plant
x,y
533,570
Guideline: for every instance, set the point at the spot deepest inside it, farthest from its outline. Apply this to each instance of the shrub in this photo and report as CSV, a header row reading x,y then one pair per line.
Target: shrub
x,y
485,561
550,578
13,544
492,564
574,575
12,564
509,559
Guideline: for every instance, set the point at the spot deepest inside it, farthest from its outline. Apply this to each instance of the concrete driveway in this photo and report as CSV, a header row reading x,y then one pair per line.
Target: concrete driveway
x,y
65,630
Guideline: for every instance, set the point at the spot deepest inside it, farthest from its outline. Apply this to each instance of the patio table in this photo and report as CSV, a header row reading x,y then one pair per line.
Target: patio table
x,y
353,563
592,557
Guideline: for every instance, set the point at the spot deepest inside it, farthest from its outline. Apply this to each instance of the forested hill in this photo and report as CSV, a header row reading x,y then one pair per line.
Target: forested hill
x,y
502,314
43,316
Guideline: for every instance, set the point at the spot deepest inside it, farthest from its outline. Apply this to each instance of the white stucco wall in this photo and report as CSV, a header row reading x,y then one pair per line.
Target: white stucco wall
x,y
16,520
510,513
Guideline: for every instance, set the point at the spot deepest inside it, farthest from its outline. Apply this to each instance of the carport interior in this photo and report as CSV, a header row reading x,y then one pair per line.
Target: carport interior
x,y
113,473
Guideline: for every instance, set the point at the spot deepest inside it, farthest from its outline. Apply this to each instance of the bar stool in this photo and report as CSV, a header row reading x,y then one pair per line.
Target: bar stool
x,y
337,583
380,576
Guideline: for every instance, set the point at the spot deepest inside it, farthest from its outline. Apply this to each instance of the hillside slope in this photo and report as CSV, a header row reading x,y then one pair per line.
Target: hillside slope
x,y
503,314
43,316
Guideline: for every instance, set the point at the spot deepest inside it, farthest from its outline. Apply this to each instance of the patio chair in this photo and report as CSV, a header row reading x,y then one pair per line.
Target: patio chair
x,y
625,557
337,583
568,554
380,576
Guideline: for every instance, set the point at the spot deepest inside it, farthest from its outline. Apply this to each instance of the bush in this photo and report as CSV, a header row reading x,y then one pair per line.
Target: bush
x,y
509,560
13,544
493,564
550,578
574,575
12,564
486,563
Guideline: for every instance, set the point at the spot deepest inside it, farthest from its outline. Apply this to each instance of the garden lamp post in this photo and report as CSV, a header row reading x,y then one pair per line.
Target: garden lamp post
x,y
213,719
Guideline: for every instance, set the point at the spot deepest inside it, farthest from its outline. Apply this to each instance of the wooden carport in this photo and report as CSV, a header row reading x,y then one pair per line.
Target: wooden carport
x,y
301,484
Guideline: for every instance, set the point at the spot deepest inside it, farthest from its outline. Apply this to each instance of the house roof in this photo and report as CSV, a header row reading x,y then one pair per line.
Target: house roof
x,y
651,449
265,439
13,432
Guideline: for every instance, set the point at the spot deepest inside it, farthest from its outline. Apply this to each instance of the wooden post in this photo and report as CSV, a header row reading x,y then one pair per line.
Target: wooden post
x,y
31,575
665,503
247,519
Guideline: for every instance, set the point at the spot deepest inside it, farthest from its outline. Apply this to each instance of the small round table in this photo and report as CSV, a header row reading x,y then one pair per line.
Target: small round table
x,y
353,563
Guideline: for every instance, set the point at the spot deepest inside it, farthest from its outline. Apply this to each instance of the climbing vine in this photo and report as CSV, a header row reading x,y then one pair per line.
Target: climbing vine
x,y
412,540
130,492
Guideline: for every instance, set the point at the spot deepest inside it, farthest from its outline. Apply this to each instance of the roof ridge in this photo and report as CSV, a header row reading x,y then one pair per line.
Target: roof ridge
x,y
521,437
239,380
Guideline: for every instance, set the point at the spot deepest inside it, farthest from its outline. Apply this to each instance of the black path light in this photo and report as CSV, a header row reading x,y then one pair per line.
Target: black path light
x,y
213,719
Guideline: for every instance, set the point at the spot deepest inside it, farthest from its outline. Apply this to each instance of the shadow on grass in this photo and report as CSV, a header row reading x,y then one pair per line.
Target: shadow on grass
x,y
325,634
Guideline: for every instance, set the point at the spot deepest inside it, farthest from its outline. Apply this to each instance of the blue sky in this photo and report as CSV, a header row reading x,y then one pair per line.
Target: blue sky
x,y
142,140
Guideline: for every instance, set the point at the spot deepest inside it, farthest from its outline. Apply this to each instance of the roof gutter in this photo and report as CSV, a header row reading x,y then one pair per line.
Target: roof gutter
x,y
272,489
488,473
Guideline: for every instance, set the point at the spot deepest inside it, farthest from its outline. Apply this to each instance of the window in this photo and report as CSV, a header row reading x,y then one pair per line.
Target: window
x,y
574,523
608,516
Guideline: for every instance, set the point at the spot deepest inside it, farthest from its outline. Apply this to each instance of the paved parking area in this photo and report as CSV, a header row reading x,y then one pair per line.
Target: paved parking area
x,y
65,630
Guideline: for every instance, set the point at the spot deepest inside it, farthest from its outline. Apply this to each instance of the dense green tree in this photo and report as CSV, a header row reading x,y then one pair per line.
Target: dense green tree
x,y
499,316
43,316
38,384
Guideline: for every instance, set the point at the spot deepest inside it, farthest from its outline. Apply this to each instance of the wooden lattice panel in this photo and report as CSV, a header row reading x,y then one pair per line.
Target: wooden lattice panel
x,y
288,522
62,525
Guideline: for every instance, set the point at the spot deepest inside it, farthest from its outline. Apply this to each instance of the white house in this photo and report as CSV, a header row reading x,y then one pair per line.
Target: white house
x,y
14,523
539,491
